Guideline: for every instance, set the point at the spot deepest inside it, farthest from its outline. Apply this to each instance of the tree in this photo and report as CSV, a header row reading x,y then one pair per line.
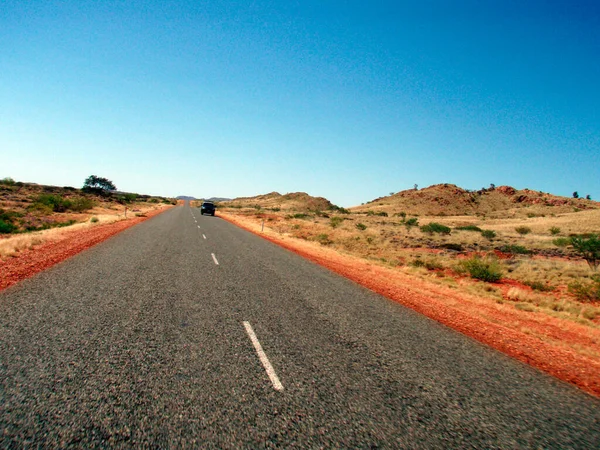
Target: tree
x,y
588,197
575,194
588,248
98,185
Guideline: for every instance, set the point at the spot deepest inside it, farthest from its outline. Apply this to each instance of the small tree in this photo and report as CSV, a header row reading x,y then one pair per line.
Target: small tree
x,y
588,197
575,194
588,249
98,185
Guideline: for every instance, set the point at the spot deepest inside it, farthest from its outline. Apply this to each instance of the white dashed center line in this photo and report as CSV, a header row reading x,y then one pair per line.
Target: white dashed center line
x,y
214,258
204,236
198,226
263,358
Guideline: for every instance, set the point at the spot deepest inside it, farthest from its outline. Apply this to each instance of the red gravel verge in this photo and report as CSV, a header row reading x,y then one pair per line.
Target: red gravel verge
x,y
27,263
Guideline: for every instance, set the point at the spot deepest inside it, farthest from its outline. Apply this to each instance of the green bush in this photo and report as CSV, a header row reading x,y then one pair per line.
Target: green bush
x,y
94,219
361,226
7,181
412,222
323,239
482,269
561,242
301,216
80,204
434,227
469,228
514,249
6,227
335,222
539,286
586,292
523,230
588,248
55,202
488,234
554,231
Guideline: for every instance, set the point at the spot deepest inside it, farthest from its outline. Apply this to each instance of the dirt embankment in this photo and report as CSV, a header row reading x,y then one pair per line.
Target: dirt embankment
x,y
30,261
500,326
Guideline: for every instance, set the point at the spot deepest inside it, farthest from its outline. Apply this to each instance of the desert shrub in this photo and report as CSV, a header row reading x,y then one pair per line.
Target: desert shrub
x,y
382,214
81,204
276,209
153,200
586,291
417,263
554,231
432,264
361,226
401,214
434,227
301,216
412,222
488,234
482,269
522,230
514,249
469,228
323,239
588,249
539,286
6,227
7,181
55,202
561,242
64,224
340,210
94,219
335,222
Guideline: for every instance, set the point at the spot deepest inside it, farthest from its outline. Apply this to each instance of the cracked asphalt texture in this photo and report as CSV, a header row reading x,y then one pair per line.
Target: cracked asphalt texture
x,y
139,342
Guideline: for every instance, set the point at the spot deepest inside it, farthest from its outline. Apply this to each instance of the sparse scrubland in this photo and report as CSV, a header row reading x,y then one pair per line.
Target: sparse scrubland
x,y
31,214
533,252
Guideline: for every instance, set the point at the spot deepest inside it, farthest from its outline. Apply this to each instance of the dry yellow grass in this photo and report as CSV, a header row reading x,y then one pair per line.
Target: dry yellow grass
x,y
12,244
386,240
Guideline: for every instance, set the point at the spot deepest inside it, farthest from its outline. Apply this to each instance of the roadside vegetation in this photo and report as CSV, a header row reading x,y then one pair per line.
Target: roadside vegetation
x,y
539,258
27,208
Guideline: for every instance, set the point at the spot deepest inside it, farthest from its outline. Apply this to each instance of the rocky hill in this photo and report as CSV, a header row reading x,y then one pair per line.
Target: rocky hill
x,y
451,200
294,201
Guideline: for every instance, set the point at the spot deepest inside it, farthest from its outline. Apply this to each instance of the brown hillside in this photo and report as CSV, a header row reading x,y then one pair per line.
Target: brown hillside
x,y
295,201
450,200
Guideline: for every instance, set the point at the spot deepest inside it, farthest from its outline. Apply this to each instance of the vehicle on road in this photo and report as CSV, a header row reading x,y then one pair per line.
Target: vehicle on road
x,y
207,208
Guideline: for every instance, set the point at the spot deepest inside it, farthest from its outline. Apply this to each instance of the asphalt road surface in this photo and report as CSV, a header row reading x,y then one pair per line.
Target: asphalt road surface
x,y
185,332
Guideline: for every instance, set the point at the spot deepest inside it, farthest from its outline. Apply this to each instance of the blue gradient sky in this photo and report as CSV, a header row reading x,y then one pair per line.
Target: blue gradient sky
x,y
347,100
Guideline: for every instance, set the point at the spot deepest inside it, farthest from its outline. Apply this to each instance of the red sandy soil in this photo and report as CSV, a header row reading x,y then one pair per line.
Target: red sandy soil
x,y
31,261
543,341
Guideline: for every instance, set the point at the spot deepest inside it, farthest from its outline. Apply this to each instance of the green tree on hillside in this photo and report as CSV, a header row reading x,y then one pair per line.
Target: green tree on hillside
x,y
98,185
588,248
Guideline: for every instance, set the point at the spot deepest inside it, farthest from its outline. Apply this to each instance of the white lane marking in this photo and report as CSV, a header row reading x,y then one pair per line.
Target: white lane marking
x,y
204,236
198,226
214,259
263,358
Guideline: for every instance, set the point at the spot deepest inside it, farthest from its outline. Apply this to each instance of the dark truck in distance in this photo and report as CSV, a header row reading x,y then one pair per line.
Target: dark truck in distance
x,y
208,208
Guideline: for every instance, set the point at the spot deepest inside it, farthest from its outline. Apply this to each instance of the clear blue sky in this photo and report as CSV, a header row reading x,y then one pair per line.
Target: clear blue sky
x,y
349,100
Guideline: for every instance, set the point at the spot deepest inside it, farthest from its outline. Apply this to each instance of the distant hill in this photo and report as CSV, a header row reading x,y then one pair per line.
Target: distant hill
x,y
218,199
185,197
294,201
451,200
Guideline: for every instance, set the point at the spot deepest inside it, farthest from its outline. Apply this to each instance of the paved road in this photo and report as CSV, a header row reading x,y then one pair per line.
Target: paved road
x,y
146,340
